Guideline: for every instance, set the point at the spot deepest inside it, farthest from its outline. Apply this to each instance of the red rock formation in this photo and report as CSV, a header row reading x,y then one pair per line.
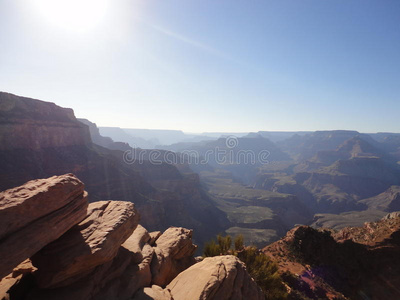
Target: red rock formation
x,y
90,243
107,255
37,213
173,254
219,278
355,262
32,124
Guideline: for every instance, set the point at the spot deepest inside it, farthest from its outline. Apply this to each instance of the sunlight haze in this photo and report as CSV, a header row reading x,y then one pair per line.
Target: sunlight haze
x,y
208,65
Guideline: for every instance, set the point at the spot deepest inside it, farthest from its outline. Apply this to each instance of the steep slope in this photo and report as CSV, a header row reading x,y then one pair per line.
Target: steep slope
x,y
103,141
353,263
32,124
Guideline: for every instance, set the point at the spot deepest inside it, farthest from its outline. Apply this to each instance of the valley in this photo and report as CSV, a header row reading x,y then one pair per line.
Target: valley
x,y
325,179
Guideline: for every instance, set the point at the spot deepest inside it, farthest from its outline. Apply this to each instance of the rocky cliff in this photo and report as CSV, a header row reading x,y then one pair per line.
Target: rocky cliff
x,y
32,124
352,263
54,245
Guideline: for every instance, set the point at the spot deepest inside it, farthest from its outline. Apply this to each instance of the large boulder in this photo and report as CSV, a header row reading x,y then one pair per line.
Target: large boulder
x,y
219,278
174,251
91,243
37,213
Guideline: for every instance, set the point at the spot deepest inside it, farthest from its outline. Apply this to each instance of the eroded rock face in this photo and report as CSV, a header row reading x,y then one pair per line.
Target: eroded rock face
x,y
173,253
328,264
37,213
14,278
92,242
22,205
127,274
106,255
32,124
221,277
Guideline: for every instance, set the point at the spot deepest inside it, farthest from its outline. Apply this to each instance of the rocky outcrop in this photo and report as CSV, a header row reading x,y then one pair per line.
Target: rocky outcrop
x,y
99,252
91,243
37,213
104,254
173,253
35,199
340,264
221,277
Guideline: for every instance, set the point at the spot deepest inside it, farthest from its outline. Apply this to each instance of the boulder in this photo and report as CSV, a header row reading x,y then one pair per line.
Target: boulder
x,y
154,236
136,242
37,213
219,278
173,253
21,205
91,243
15,278
154,292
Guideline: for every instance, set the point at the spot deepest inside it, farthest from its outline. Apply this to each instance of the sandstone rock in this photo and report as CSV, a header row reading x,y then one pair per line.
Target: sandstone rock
x,y
127,273
91,243
36,198
393,215
37,213
15,277
219,278
174,253
117,279
155,293
154,236
136,242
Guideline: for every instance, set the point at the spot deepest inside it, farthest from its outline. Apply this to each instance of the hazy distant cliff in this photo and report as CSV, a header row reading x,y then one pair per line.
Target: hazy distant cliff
x,y
31,124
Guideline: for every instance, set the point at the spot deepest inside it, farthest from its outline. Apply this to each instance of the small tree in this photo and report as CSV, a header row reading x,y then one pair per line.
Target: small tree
x,y
212,249
239,245
225,243
263,270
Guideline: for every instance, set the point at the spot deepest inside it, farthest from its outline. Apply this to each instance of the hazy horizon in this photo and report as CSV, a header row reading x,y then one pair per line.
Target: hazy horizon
x,y
206,66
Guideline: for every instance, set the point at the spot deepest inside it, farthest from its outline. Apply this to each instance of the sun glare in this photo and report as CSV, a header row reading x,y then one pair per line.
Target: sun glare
x,y
76,15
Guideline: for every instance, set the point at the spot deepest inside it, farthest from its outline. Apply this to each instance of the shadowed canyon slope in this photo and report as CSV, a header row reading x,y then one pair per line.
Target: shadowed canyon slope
x,y
352,263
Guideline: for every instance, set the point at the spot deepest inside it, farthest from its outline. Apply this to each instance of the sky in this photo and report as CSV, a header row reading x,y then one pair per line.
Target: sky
x,y
208,65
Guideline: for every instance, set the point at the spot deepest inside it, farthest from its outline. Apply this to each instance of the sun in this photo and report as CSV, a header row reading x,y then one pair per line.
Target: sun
x,y
74,15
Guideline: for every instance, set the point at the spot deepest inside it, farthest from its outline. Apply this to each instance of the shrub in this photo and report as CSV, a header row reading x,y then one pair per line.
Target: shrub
x,y
263,270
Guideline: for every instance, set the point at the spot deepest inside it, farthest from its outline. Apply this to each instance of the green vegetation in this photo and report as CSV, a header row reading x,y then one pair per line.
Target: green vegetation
x,y
255,236
263,270
254,213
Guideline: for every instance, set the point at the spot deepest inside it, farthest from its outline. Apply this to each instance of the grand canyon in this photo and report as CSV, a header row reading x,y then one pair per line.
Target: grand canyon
x,y
80,220
199,150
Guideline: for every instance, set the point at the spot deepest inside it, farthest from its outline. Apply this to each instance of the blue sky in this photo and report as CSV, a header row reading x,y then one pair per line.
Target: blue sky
x,y
209,65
